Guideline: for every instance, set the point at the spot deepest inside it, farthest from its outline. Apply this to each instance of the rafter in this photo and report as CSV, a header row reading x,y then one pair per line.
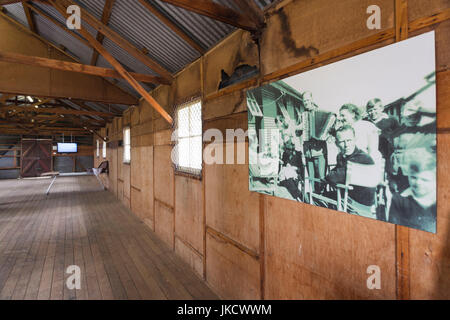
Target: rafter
x,y
30,125
215,11
252,11
125,74
73,67
173,26
56,111
43,132
29,16
115,37
107,10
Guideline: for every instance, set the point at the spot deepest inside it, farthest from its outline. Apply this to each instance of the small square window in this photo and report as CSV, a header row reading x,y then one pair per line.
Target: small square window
x,y
126,145
189,138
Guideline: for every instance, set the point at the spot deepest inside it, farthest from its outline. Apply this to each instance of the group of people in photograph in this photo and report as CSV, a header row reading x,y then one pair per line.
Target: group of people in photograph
x,y
393,160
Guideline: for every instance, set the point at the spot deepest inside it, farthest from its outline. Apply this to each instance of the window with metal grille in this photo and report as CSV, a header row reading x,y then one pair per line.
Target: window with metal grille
x,y
126,145
189,138
104,150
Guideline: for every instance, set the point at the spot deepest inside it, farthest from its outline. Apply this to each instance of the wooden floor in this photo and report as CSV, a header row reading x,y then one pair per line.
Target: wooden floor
x,y
78,224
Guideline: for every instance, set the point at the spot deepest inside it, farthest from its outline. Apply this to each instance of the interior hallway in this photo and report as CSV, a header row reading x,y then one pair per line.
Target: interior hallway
x,y
79,224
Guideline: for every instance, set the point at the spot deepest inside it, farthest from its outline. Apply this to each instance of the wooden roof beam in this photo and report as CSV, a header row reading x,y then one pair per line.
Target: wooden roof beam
x,y
252,11
4,123
116,38
56,111
216,11
73,67
29,16
125,74
43,132
106,15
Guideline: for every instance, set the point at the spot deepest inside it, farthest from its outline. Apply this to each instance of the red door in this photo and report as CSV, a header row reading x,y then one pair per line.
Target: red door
x,y
36,157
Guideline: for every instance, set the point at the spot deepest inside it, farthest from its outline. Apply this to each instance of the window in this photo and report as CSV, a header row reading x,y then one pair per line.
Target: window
x,y
98,148
126,145
189,138
104,149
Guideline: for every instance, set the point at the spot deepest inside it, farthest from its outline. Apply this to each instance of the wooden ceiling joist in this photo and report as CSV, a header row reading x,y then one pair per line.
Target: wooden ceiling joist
x,y
7,124
107,10
252,11
29,16
217,12
42,132
125,74
74,67
56,111
116,38
173,26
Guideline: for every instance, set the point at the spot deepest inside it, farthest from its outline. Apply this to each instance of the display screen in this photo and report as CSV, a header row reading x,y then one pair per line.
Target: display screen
x,y
67,148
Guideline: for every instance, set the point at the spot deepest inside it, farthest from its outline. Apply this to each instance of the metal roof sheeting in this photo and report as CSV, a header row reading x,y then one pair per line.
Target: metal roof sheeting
x,y
16,12
135,23
59,37
205,30
141,28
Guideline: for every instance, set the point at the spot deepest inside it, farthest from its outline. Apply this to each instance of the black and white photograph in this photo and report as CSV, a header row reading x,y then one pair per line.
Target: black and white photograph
x,y
357,136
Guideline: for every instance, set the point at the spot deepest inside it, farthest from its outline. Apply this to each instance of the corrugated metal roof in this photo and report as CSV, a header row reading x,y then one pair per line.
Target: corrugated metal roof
x,y
141,28
135,23
16,12
205,30
59,37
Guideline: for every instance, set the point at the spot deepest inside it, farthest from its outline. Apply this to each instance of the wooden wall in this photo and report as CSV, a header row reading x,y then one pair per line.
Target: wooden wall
x,y
250,246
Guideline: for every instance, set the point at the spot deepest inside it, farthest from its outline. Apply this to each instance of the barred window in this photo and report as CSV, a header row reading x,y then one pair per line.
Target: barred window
x,y
189,138
126,145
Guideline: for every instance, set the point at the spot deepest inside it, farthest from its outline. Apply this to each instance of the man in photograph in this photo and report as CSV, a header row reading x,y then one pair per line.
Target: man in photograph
x,y
345,141
387,126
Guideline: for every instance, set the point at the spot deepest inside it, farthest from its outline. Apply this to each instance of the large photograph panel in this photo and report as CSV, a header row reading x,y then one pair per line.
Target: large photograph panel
x,y
358,136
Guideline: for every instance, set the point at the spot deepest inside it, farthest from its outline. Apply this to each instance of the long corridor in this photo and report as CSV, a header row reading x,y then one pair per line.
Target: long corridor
x,y
80,225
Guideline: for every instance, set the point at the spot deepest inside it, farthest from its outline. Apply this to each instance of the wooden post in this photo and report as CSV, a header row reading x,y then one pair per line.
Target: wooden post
x,y
401,232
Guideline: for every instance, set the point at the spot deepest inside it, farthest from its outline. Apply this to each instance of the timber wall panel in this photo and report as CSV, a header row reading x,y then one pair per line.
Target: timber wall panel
x,y
190,256
238,49
231,208
164,222
147,186
164,175
232,273
234,102
187,84
443,46
424,8
315,253
126,185
189,211
304,29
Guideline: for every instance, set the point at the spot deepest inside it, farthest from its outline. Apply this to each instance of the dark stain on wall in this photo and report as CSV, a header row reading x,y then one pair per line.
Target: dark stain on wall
x,y
289,42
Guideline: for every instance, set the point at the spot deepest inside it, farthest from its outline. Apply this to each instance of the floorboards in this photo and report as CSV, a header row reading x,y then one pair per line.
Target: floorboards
x,y
80,224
